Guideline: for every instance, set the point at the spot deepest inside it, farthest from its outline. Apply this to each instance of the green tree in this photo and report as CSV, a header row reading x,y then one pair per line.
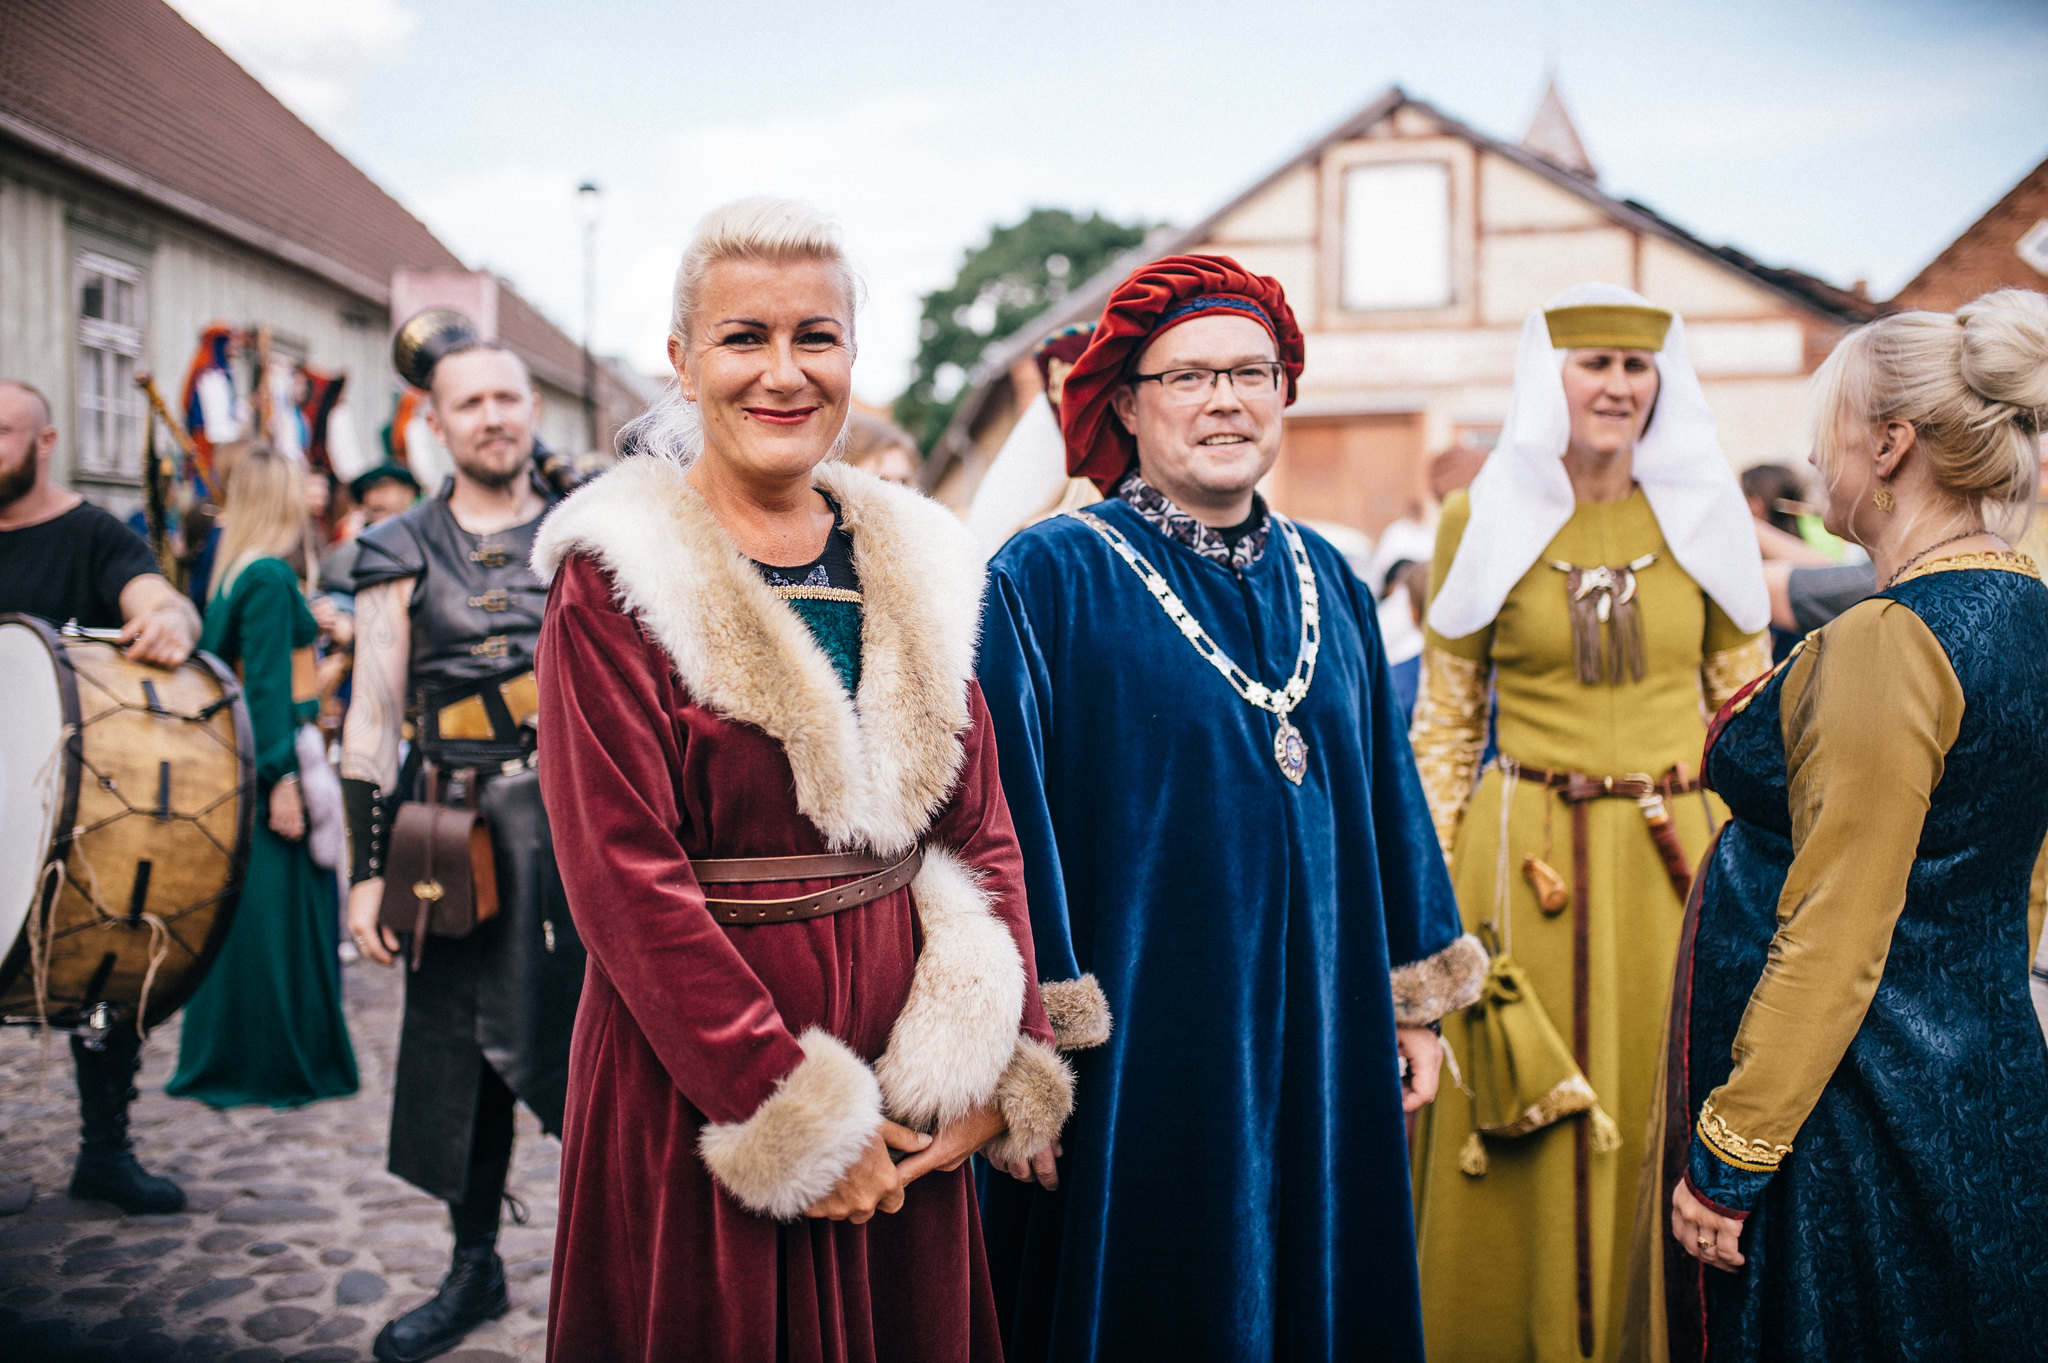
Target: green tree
x,y
1021,271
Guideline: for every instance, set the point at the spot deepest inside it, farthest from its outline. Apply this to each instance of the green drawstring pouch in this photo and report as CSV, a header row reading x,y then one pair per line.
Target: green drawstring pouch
x,y
1521,1074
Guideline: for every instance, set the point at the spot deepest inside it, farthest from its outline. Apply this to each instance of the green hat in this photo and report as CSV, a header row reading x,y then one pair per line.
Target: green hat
x,y
384,473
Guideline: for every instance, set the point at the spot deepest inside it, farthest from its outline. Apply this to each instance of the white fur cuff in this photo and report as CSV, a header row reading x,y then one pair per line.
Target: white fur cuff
x,y
959,1026
799,1143
1078,1011
1035,1096
1439,985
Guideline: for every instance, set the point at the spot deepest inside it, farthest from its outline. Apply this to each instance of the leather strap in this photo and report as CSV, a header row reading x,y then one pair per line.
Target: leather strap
x,y
750,870
1582,1148
1577,787
1685,1278
1578,791
746,912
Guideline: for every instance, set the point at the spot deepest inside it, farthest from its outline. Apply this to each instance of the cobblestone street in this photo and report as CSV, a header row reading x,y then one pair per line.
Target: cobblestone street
x,y
296,1244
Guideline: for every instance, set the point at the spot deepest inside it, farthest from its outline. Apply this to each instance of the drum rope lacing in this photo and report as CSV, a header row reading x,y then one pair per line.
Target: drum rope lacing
x,y
42,936
159,935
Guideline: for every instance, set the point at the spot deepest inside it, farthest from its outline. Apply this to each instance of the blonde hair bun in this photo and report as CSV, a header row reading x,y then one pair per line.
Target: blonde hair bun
x,y
1974,385
2005,349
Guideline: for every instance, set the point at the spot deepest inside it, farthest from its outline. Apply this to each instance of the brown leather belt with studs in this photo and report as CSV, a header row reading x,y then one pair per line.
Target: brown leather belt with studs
x,y
878,877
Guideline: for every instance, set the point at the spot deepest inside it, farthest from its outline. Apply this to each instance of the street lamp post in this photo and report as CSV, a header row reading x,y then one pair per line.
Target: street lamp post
x,y
588,196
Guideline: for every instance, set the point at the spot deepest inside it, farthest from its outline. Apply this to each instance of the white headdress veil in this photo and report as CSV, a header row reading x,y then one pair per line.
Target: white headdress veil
x,y
1522,497
1026,475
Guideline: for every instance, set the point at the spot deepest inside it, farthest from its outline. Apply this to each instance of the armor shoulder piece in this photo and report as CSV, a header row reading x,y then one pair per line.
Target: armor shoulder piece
x,y
392,550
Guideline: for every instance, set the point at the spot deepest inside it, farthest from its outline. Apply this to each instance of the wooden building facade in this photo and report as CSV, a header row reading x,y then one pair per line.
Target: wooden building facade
x,y
149,187
1411,247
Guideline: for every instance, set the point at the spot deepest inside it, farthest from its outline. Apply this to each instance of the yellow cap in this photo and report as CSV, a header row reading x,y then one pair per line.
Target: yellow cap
x,y
1608,326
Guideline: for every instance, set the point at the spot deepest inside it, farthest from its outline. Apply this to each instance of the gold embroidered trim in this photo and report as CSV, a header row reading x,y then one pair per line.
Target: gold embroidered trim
x,y
817,594
1756,691
1998,560
1572,1095
1448,735
1728,671
1758,1157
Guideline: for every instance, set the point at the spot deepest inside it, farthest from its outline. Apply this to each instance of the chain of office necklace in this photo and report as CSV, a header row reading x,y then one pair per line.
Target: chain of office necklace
x,y
1290,749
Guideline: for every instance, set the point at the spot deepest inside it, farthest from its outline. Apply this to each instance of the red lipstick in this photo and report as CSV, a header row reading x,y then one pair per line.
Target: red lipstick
x,y
796,416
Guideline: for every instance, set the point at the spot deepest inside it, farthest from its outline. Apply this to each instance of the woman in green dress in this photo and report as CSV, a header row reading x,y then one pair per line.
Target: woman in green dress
x,y
266,1025
1602,582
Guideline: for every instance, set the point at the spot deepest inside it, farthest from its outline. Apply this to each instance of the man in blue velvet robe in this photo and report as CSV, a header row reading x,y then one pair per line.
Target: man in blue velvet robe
x,y
1240,912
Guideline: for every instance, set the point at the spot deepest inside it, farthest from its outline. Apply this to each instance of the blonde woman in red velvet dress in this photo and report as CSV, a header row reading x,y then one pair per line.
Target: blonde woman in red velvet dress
x,y
811,994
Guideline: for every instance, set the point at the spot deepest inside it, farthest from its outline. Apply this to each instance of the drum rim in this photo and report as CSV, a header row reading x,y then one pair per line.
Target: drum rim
x,y
165,1003
17,957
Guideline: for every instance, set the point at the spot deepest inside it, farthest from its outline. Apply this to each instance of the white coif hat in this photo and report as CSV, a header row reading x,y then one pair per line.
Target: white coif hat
x,y
1522,497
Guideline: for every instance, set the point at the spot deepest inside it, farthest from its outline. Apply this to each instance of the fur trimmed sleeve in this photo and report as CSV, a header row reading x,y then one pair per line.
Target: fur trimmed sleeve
x,y
958,1027
1078,1011
1435,986
798,1144
1035,1096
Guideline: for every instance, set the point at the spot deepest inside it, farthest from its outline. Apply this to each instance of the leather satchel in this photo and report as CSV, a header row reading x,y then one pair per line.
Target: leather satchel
x,y
440,875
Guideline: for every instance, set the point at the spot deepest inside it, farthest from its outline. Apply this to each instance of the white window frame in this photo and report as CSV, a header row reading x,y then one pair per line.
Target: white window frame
x,y
1407,145
1421,178
107,433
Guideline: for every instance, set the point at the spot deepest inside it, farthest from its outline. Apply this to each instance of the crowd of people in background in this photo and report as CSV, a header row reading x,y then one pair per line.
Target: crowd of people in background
x,y
1685,823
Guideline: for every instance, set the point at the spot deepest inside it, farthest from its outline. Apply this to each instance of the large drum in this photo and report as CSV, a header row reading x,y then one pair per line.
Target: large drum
x,y
126,794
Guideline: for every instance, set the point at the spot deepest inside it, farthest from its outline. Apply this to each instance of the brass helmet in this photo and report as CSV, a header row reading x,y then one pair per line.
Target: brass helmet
x,y
425,338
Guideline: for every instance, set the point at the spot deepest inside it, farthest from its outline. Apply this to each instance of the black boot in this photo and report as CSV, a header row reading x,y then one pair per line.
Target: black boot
x,y
106,1169
472,1293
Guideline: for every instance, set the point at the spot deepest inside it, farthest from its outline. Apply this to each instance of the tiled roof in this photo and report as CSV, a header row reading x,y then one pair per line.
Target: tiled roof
x,y
129,93
1983,258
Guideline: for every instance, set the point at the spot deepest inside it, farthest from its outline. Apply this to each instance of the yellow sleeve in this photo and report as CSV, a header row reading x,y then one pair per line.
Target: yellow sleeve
x,y
1869,711
2037,906
1448,732
1450,533
1729,659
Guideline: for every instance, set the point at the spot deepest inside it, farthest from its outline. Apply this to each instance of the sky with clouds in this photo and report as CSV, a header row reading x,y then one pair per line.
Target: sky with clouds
x,y
1851,138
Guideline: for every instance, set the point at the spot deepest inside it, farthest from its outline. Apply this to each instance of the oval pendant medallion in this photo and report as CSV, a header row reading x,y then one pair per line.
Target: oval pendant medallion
x,y
1290,750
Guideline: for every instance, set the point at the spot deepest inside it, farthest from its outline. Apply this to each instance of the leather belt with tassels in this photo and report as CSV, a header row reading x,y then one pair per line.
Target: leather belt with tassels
x,y
1578,791
879,877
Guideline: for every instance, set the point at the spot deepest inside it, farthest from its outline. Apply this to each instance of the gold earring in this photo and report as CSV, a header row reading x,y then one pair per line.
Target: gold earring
x,y
1883,500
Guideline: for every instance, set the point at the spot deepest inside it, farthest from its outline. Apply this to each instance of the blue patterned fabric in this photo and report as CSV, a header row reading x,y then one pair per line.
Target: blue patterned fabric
x,y
1235,1183
1910,1219
1211,302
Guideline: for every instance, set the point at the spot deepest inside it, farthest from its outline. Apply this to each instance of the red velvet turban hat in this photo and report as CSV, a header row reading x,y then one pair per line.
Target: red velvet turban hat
x,y
1155,299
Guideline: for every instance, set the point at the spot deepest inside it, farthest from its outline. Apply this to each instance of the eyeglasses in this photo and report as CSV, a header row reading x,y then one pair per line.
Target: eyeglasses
x,y
1248,381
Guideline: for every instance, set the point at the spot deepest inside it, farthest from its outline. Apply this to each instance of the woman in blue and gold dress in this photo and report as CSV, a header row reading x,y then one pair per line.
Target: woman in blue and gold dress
x,y
1855,1105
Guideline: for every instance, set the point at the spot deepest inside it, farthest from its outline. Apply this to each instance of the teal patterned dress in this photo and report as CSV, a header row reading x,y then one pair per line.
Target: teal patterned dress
x,y
825,594
266,1027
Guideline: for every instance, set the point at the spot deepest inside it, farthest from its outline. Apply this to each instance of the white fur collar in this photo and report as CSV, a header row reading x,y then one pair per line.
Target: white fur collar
x,y
870,772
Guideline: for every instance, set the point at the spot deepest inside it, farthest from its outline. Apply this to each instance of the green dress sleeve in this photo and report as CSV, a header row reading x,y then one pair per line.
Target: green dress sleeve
x,y
1869,711
270,620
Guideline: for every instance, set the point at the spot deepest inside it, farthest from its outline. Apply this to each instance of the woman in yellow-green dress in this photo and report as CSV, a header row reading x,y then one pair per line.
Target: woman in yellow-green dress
x,y
1602,582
